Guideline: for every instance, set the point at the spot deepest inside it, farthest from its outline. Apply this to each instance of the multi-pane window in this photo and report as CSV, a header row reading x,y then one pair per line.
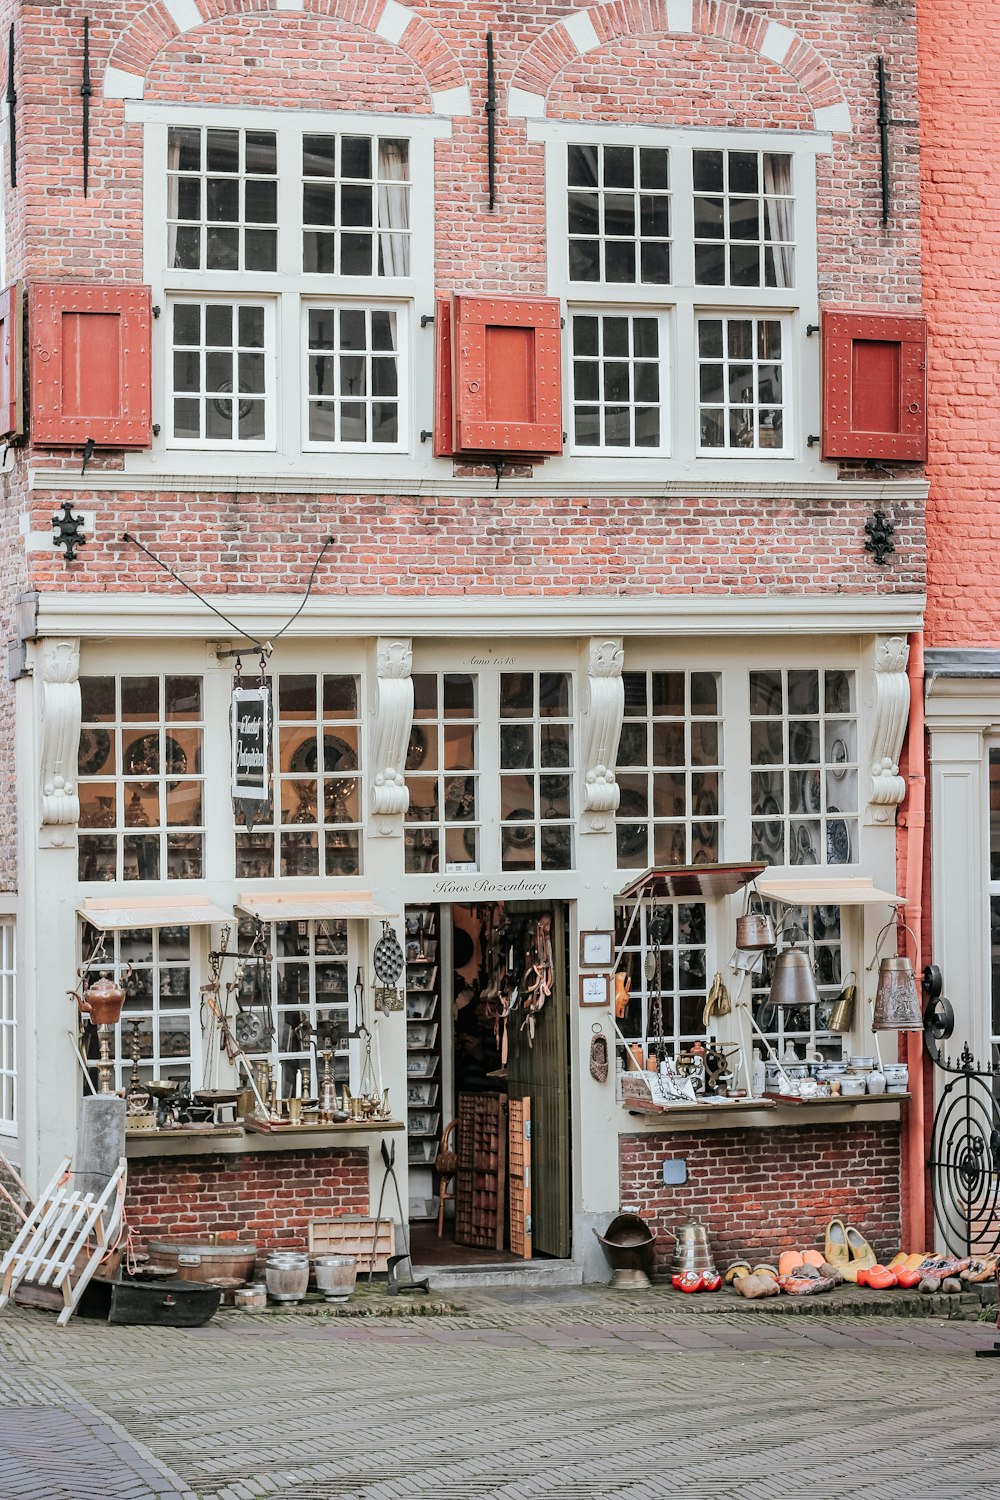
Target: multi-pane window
x,y
669,770
158,1014
8,1024
665,1011
744,227
619,377
619,214
817,930
352,376
302,989
140,778
536,771
442,765
312,824
223,374
804,766
355,205
288,249
741,386
222,199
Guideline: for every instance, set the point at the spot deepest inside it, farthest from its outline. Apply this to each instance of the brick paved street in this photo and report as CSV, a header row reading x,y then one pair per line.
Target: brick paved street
x,y
569,1394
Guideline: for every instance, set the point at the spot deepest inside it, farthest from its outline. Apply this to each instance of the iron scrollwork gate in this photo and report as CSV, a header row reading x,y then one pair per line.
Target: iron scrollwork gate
x,y
964,1163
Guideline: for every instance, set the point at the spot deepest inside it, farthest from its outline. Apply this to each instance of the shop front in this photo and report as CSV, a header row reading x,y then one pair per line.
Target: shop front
x,y
479,797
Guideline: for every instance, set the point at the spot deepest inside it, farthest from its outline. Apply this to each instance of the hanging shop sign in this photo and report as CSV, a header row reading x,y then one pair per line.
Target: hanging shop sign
x,y
251,721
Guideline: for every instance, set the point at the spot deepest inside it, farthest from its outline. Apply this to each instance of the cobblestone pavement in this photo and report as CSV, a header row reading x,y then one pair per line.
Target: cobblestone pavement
x,y
575,1394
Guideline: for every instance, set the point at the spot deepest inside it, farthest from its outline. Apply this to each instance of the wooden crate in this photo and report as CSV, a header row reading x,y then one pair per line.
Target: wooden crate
x,y
352,1234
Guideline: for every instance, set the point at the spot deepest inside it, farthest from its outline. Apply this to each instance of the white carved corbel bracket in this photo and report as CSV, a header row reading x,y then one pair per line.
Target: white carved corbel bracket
x,y
890,713
60,742
603,710
392,716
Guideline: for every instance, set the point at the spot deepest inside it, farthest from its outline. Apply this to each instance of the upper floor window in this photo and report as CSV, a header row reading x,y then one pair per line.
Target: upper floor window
x,y
688,268
280,244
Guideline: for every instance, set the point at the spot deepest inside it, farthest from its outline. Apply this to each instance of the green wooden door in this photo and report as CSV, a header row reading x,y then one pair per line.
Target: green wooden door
x,y
541,1073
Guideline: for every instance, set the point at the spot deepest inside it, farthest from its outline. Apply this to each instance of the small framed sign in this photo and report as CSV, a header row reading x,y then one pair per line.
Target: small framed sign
x,y
596,949
595,989
251,734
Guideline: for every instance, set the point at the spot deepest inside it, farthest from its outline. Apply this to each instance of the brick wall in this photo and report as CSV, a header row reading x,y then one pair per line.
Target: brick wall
x,y
763,1191
960,167
270,1198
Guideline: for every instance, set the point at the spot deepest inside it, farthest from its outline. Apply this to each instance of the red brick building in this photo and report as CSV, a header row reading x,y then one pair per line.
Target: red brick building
x,y
597,433
960,196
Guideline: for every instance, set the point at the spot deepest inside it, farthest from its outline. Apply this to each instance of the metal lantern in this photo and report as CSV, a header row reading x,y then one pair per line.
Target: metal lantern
x,y
897,1006
793,983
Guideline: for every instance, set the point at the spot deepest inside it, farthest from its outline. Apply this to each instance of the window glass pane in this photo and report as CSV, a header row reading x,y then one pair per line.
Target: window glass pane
x,y
619,230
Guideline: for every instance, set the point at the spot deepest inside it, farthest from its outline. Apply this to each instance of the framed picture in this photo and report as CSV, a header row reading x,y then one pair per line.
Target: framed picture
x,y
595,989
596,949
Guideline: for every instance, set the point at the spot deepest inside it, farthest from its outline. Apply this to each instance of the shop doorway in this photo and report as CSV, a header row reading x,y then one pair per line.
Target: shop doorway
x,y
488,1081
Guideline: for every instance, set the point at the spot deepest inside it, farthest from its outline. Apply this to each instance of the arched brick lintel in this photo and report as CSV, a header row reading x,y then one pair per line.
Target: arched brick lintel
x,y
162,21
589,28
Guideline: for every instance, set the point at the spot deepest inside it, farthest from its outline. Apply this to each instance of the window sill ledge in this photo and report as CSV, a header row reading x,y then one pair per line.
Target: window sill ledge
x,y
761,1114
235,1141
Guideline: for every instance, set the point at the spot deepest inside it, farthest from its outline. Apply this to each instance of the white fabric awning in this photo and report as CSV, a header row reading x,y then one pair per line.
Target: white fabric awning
x,y
112,913
819,890
296,906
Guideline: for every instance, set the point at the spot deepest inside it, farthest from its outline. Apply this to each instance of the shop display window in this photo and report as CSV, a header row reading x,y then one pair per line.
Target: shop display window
x,y
669,770
8,1025
303,986
818,929
141,782
804,766
667,1008
311,825
442,773
536,770
159,1000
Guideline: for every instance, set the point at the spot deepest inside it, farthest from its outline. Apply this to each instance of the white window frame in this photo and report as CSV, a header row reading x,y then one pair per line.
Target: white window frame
x,y
8,1025
290,289
683,302
312,304
270,375
601,311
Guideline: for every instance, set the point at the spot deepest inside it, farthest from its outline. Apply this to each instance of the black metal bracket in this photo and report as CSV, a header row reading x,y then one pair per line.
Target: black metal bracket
x,y
426,318
88,453
813,439
67,531
11,97
491,122
425,433
880,532
885,120
86,90
498,470
811,328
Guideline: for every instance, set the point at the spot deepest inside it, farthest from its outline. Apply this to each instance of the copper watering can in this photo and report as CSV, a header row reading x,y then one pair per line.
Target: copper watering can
x,y
692,1251
755,928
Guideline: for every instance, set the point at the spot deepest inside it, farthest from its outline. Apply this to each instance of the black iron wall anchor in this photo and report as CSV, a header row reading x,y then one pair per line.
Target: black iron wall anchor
x,y
86,90
11,97
67,530
880,532
491,121
884,122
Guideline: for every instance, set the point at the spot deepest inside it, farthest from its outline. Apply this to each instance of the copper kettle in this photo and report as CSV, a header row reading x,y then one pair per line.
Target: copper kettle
x,y
755,928
103,1000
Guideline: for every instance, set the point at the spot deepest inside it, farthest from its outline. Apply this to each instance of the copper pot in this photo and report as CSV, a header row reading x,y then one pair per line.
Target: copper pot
x,y
755,928
103,1001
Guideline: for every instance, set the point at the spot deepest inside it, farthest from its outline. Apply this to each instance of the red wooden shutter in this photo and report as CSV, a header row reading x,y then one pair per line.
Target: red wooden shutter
x,y
874,385
506,369
444,436
11,420
90,364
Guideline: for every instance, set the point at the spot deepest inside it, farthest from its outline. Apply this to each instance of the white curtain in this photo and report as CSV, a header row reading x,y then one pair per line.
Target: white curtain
x,y
394,207
778,211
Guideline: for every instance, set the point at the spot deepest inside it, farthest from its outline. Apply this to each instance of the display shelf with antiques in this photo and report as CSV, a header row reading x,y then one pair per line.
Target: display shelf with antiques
x,y
423,1049
684,1043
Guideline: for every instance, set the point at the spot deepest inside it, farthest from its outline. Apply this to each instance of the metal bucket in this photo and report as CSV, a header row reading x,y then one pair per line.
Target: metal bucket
x,y
287,1275
628,1249
755,928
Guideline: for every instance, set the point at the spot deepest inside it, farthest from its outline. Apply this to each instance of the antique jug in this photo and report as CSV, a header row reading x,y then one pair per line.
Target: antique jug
x,y
755,928
692,1252
103,1001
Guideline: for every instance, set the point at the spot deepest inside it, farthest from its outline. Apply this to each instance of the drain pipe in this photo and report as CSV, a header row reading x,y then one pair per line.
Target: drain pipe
x,y
915,1209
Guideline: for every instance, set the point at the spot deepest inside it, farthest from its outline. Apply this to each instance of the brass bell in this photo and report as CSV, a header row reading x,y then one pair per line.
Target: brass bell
x,y
897,1007
793,983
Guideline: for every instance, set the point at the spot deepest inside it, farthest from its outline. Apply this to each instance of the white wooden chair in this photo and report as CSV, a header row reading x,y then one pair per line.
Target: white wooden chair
x,y
63,1241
